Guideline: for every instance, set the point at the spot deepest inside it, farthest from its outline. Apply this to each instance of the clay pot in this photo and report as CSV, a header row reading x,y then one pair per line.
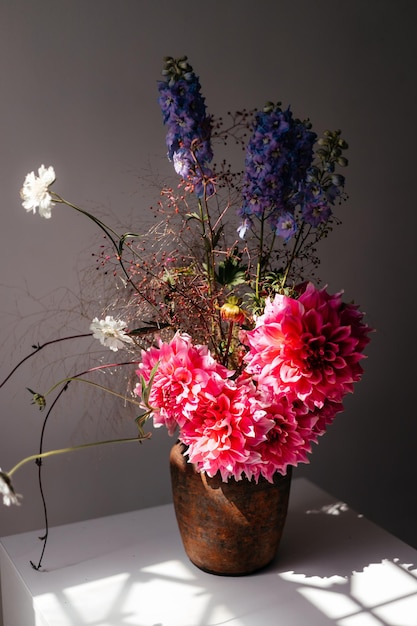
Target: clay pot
x,y
231,528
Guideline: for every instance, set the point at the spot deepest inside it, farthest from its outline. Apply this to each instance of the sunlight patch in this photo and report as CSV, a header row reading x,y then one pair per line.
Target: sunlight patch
x,y
331,603
381,583
170,569
331,509
314,581
88,603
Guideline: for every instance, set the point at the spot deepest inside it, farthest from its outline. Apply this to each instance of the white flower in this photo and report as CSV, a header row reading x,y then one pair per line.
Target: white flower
x,y
110,332
7,490
244,226
35,191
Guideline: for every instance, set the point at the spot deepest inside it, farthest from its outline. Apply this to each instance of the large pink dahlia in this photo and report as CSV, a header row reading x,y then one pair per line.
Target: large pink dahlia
x,y
184,371
223,433
308,349
287,443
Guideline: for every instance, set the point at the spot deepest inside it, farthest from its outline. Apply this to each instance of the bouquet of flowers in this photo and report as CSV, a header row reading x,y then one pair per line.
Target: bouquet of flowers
x,y
232,343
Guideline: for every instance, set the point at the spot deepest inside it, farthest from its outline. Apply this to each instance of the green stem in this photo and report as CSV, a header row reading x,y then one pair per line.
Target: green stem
x,y
114,237
208,244
260,255
229,341
38,348
295,251
44,455
93,384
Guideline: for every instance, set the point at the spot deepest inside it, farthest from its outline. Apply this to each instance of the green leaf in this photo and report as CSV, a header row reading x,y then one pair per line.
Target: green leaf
x,y
152,327
146,387
193,216
230,272
123,239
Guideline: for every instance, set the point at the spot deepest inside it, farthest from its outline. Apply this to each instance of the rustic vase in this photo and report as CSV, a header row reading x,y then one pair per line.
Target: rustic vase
x,y
227,528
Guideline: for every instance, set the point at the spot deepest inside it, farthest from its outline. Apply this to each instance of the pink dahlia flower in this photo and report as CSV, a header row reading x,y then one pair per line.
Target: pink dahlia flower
x,y
183,372
223,434
308,349
304,356
288,441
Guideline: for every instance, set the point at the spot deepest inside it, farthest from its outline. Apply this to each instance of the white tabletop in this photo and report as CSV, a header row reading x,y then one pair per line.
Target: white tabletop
x,y
333,567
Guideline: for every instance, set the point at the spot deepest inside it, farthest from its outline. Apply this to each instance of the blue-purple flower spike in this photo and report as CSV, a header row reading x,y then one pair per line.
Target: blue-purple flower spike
x,y
278,157
188,125
322,186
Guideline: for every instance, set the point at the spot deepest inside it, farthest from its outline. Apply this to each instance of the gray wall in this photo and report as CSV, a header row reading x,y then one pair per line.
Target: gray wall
x,y
78,90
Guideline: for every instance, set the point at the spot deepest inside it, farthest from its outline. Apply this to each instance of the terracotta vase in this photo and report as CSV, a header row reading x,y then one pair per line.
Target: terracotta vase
x,y
232,528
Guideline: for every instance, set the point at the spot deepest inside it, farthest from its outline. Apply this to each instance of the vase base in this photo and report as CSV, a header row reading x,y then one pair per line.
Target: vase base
x,y
228,528
237,574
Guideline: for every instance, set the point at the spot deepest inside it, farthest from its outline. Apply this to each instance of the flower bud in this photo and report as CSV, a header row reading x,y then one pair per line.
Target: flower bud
x,y
338,180
231,311
342,144
342,161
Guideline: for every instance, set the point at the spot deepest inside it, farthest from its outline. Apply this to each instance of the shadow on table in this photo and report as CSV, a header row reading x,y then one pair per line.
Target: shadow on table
x,y
349,569
334,567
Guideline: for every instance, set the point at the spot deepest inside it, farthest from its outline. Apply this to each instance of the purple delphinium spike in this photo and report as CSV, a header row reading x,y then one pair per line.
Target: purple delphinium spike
x,y
188,125
278,156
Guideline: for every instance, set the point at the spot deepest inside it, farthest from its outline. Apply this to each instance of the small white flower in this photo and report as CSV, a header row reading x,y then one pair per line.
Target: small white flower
x,y
110,332
243,227
7,490
35,191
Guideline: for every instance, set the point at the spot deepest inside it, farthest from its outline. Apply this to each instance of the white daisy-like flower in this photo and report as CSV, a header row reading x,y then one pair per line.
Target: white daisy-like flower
x,y
35,191
110,332
7,490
